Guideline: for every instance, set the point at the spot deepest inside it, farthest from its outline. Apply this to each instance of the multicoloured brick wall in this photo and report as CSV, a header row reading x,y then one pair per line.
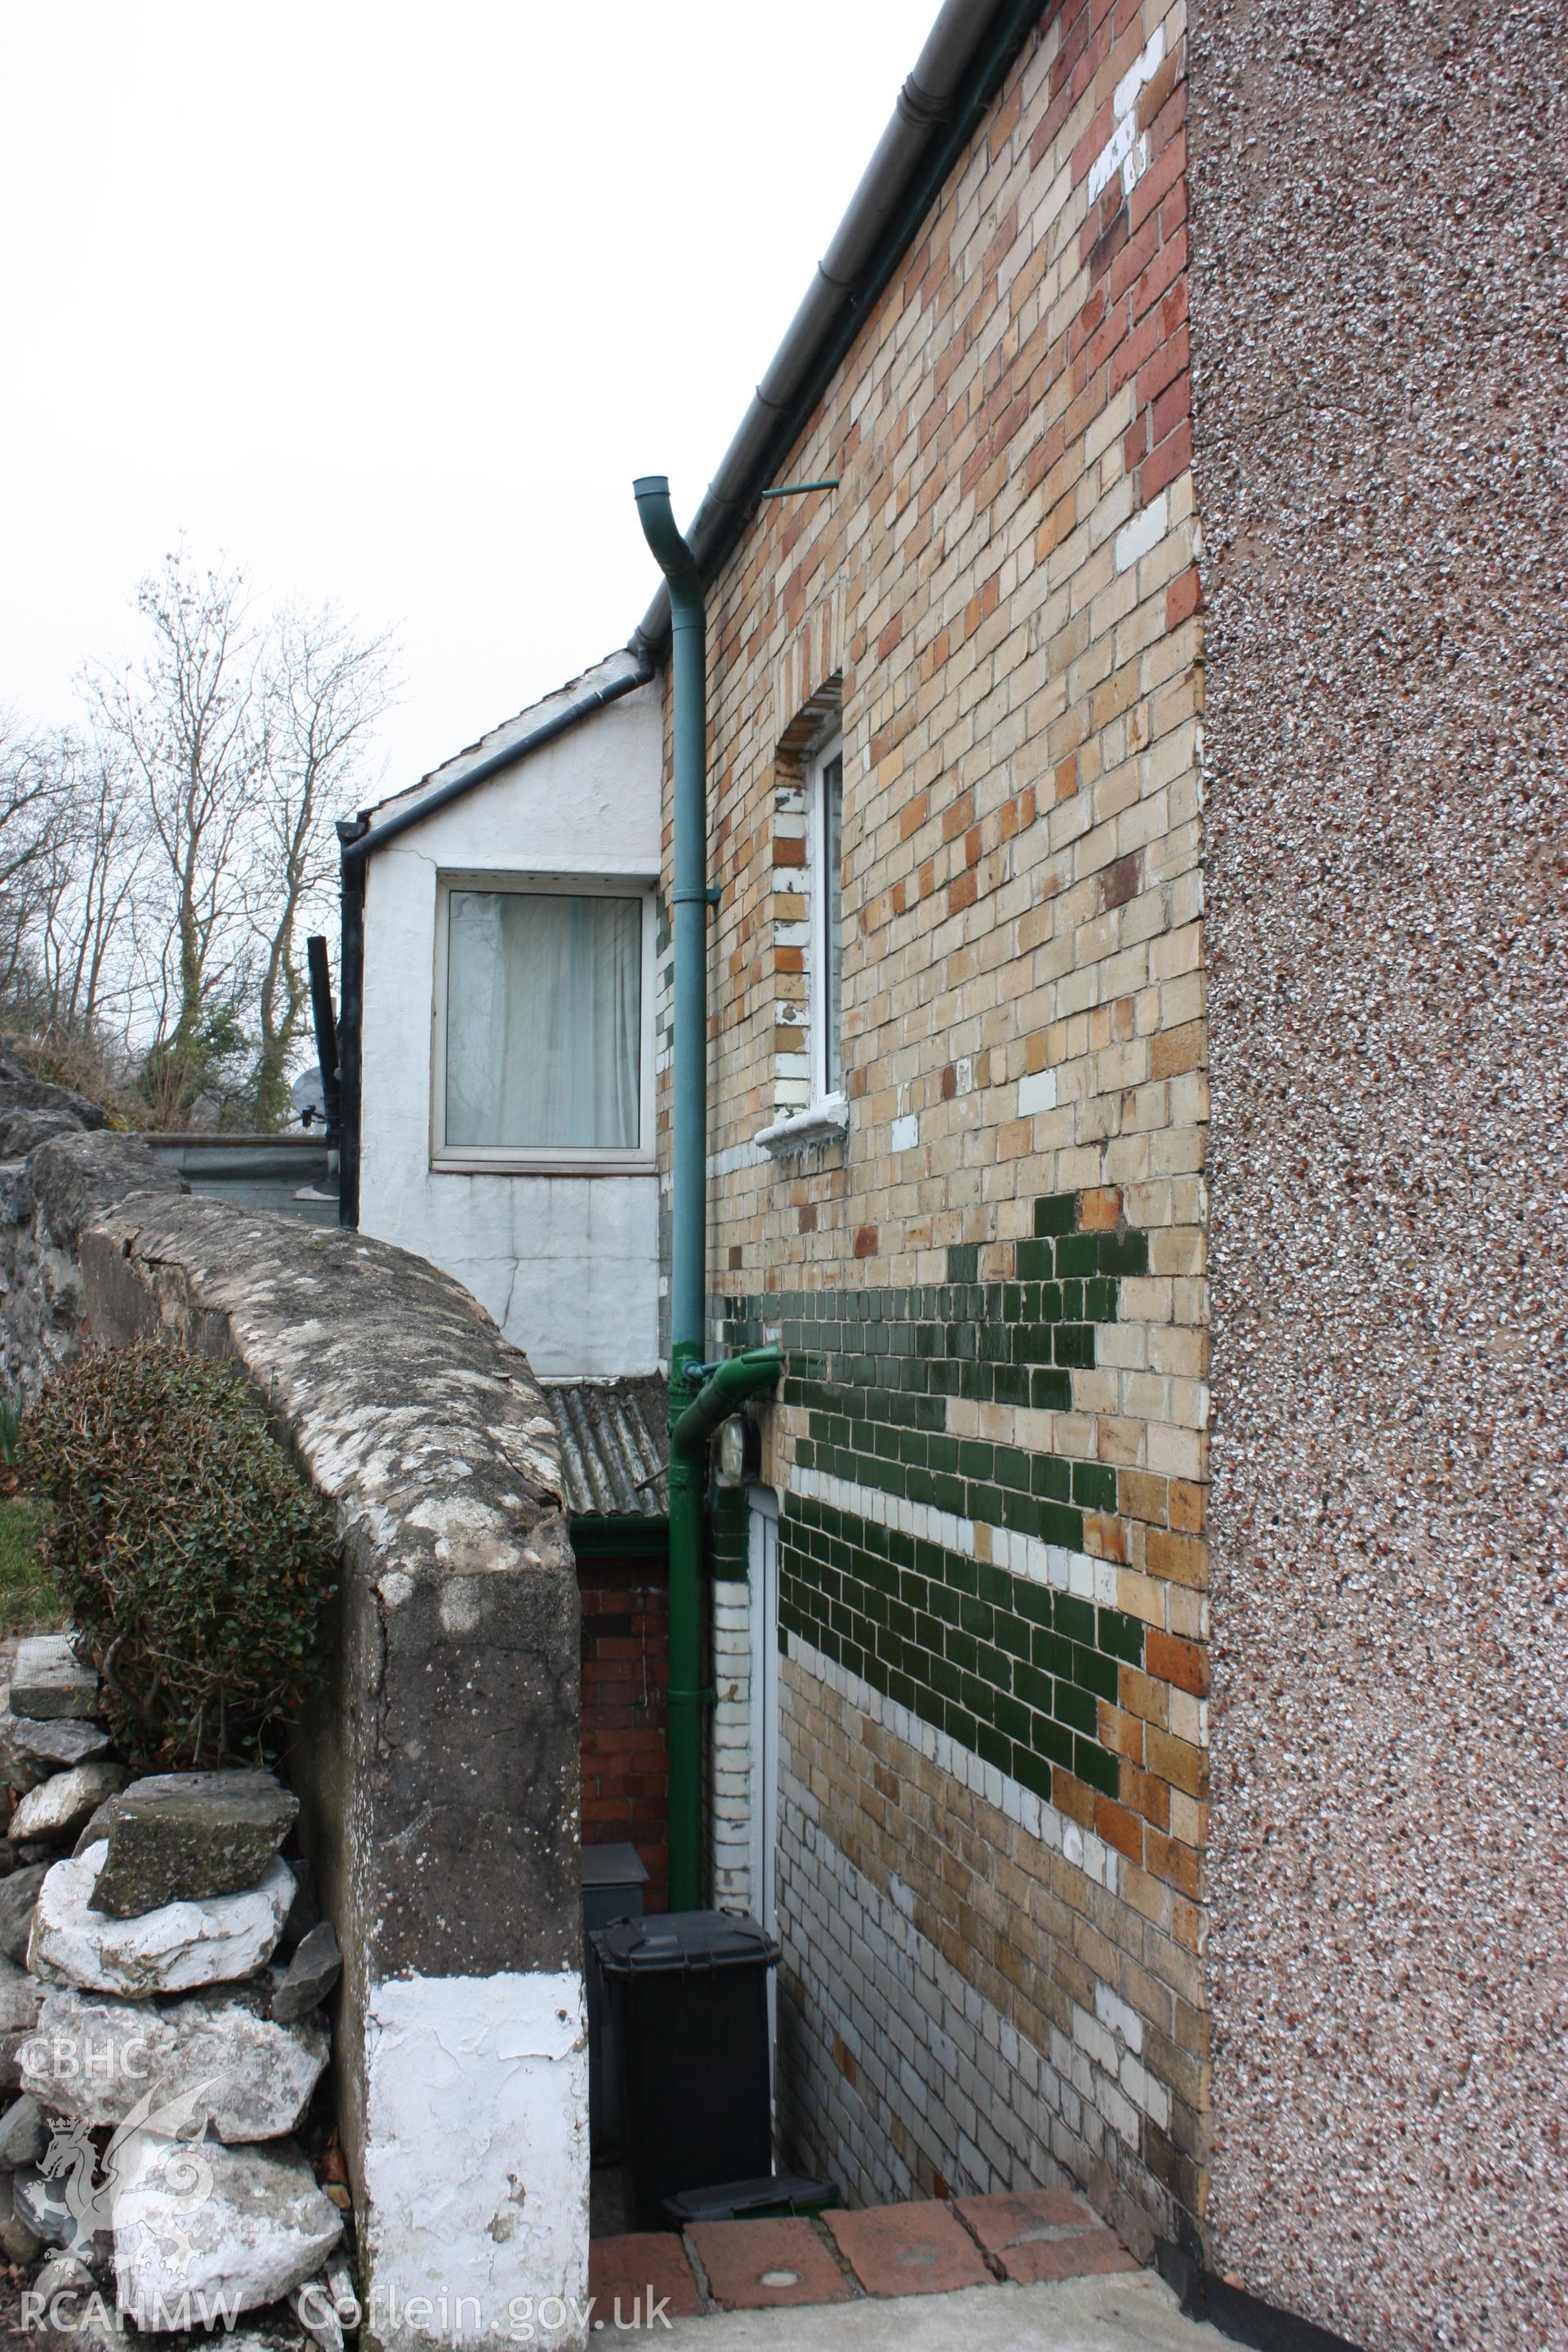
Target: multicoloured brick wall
x,y
990,1453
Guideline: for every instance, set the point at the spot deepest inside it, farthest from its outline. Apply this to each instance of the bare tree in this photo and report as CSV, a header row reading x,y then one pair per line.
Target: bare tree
x,y
187,723
327,690
32,806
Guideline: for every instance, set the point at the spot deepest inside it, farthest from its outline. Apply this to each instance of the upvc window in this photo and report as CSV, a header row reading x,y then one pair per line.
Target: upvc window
x,y
543,1025
823,979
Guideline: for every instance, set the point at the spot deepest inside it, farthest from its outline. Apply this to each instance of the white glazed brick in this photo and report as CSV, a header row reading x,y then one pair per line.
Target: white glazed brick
x,y
1146,529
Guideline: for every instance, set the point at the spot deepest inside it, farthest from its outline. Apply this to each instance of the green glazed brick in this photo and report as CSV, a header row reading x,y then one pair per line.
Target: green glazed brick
x,y
1121,1636
1033,1687
976,1619
1075,1707
1052,1655
975,1459
1031,1343
963,1650
1079,1253
1056,1212
1097,1766
949,1495
1054,1740
1012,1469
805,1454
1060,1526
1012,1302
1122,1253
1074,1618
1100,1300
943,1452
1091,1672
961,1726
1033,1601
994,1584
980,1697
964,1262
1010,1384
1075,1344
1051,1478
903,1692
1010,1634
1021,1513
995,1747
984,1504
1012,1719
1033,1771
945,1679
1050,1306
1093,1486
1050,1391
1035,1261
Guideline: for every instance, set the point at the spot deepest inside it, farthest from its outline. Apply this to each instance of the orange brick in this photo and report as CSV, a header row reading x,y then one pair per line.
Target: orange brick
x,y
1175,1050
1181,1664
1183,1558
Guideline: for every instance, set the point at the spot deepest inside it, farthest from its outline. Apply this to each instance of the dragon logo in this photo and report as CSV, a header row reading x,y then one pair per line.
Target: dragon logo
x,y
99,2201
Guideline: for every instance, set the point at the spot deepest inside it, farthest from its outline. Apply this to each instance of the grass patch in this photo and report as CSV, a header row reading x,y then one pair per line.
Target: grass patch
x,y
30,1596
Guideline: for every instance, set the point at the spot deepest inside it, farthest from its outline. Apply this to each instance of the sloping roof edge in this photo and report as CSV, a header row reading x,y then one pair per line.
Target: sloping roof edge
x,y
955,76
614,1445
553,716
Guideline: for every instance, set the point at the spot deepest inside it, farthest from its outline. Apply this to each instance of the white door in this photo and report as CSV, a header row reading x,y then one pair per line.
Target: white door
x,y
763,1587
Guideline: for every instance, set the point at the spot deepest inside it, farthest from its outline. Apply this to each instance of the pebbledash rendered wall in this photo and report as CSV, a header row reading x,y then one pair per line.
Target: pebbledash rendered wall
x,y
989,1448
1380,210
438,1779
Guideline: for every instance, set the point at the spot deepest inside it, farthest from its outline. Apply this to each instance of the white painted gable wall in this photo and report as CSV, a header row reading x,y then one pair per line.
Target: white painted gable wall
x,y
567,1265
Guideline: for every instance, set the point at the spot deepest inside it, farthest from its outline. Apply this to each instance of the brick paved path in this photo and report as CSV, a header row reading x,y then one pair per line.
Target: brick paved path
x,y
884,2251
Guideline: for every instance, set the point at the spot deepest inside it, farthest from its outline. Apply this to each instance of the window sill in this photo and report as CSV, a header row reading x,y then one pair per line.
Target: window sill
x,y
805,1131
462,1164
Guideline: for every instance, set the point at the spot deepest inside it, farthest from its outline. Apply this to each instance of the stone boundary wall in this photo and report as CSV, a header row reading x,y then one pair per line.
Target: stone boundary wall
x,y
439,1785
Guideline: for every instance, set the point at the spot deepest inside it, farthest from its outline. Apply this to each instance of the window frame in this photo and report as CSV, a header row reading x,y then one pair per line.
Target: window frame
x,y
541,1159
830,748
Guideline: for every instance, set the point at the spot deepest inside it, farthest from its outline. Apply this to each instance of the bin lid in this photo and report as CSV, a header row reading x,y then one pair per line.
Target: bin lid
x,y
613,1865
774,2192
671,1942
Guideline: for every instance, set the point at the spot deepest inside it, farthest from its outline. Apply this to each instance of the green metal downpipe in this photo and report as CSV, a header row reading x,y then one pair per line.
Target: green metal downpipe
x,y
689,1175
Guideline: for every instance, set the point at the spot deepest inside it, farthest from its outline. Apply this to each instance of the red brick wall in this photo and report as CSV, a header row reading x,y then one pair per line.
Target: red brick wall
x,y
625,1674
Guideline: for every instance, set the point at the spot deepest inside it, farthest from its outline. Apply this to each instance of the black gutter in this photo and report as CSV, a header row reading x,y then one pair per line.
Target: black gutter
x,y
352,832
325,1024
939,108
560,723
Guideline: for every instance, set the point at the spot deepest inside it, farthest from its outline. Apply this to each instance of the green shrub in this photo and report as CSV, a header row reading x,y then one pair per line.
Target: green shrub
x,y
194,1561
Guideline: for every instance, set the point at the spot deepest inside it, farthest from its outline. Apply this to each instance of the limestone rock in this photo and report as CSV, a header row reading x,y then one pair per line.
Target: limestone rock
x,y
94,2058
95,1832
58,1807
17,1769
41,2204
203,2219
182,1834
20,1996
17,2243
23,2134
56,1746
178,1947
309,1977
17,1895
48,1680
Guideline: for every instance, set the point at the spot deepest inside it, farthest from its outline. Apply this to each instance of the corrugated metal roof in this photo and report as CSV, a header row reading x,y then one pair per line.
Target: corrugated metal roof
x,y
614,1445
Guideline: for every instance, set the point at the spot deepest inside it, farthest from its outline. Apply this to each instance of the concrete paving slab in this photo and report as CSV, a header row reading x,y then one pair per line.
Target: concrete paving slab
x,y
1133,2312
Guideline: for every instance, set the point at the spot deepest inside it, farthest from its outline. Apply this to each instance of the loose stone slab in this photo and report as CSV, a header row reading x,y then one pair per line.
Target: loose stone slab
x,y
59,1806
21,1996
182,1834
18,1894
54,1746
178,1947
192,2220
48,1680
23,2134
94,2058
311,1975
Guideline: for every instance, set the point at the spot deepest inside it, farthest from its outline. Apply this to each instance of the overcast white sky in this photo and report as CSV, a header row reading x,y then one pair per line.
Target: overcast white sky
x,y
391,302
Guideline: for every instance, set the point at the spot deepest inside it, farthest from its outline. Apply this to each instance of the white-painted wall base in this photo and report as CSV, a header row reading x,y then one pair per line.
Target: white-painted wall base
x,y
476,2161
